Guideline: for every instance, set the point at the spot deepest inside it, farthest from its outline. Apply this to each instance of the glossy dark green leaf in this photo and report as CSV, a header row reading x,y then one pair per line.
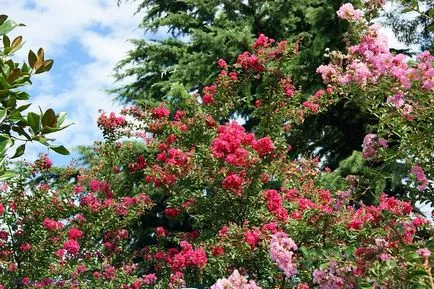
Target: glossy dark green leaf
x,y
5,142
22,132
33,120
19,151
3,114
3,18
6,41
60,150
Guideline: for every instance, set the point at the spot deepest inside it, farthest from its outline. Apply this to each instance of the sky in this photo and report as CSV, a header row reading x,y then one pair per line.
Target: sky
x,y
86,38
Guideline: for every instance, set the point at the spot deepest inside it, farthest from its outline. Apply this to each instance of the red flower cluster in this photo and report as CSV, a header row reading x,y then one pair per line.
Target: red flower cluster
x,y
275,205
231,143
186,257
160,112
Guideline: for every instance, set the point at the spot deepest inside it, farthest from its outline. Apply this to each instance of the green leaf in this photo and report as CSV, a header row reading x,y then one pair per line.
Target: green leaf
x,y
5,142
380,184
7,27
3,18
6,41
23,107
7,175
3,114
60,149
33,120
19,151
21,131
61,118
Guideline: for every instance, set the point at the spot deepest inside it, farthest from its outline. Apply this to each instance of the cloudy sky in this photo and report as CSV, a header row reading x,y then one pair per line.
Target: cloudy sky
x,y
86,38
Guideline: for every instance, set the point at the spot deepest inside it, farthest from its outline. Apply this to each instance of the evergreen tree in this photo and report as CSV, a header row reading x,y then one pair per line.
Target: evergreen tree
x,y
204,31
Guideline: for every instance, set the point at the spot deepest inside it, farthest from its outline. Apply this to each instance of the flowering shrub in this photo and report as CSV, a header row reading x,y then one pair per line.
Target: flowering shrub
x,y
66,235
224,201
397,91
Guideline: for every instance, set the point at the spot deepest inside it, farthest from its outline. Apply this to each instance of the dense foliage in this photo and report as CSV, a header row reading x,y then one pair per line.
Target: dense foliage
x,y
229,207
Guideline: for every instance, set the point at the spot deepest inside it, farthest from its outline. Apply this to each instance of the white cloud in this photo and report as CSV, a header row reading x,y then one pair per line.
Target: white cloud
x,y
100,29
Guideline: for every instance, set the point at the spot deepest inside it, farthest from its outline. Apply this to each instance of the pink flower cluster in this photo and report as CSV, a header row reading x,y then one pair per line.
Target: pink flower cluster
x,y
235,183
424,252
330,278
370,59
371,144
71,246
209,92
347,12
235,281
262,41
175,164
281,252
111,122
176,281
421,178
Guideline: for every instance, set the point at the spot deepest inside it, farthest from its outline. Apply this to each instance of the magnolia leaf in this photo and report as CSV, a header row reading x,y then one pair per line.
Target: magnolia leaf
x,y
15,73
19,151
3,18
17,41
59,149
33,120
41,54
61,118
6,41
3,113
5,142
45,66
7,27
49,118
16,44
48,64
7,175
32,58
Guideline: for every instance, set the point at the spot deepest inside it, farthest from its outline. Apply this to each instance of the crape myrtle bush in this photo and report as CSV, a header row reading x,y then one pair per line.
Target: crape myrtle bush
x,y
65,234
256,219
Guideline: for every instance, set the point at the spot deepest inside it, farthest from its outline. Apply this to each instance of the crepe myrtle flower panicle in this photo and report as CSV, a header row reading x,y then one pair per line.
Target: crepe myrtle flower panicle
x,y
281,252
424,252
421,178
348,12
235,281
